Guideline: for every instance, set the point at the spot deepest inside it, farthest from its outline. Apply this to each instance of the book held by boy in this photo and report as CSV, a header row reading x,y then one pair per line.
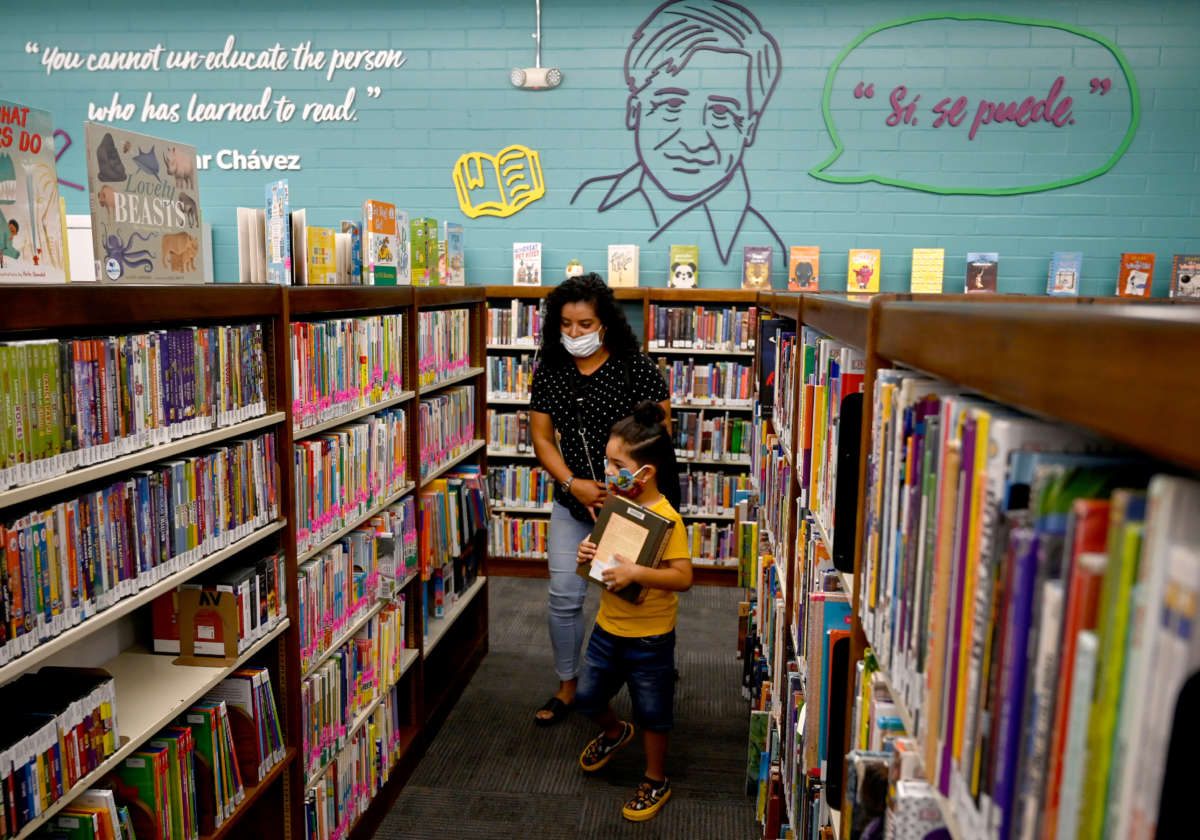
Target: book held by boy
x,y
629,530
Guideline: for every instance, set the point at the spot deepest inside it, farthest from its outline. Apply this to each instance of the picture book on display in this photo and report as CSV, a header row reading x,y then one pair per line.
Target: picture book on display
x,y
928,269
1185,276
756,267
863,270
404,273
253,245
433,244
1066,267
527,263
1136,275
32,245
632,531
983,269
279,234
685,267
804,264
320,253
144,197
380,243
455,272
623,265
349,252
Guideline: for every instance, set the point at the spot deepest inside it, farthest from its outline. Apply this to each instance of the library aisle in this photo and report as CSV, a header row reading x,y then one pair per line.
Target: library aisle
x,y
491,773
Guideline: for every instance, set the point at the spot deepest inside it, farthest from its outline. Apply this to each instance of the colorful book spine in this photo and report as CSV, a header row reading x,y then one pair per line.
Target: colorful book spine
x,y
514,323
447,427
342,365
443,345
520,486
701,328
517,536
509,433
510,377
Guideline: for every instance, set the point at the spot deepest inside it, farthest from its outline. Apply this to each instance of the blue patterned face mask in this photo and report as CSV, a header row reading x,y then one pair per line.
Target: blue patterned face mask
x,y
624,483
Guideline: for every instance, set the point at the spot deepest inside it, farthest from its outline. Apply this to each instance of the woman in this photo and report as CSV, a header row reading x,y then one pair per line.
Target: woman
x,y
592,373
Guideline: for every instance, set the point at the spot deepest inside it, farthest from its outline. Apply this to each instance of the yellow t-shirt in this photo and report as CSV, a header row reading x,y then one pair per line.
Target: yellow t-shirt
x,y
656,614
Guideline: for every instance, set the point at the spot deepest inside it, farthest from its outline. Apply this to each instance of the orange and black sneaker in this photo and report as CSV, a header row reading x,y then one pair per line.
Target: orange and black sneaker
x,y
647,800
597,753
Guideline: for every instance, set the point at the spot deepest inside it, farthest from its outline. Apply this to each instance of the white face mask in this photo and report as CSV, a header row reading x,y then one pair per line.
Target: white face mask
x,y
583,346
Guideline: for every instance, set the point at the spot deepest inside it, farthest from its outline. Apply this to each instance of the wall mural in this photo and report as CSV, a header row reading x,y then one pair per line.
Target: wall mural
x,y
498,185
1079,84
689,136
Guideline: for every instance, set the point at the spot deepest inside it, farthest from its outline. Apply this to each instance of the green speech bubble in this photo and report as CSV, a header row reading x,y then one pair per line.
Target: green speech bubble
x,y
821,172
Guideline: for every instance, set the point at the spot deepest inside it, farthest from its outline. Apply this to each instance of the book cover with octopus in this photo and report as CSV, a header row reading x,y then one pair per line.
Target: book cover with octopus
x,y
32,248
145,204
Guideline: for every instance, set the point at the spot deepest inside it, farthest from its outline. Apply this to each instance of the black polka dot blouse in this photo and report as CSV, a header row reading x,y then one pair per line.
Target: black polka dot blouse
x,y
606,399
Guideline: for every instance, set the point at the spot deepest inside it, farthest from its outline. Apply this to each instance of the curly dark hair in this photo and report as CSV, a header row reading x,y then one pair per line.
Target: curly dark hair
x,y
650,442
589,288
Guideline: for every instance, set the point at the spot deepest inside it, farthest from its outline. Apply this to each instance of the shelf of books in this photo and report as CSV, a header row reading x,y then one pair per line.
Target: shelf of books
x,y
703,341
141,478
992,557
521,491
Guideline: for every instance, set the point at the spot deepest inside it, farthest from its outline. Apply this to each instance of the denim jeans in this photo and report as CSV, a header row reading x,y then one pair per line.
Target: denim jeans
x,y
645,663
567,591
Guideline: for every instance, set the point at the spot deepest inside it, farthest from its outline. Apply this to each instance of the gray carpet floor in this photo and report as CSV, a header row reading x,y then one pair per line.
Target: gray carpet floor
x,y
490,773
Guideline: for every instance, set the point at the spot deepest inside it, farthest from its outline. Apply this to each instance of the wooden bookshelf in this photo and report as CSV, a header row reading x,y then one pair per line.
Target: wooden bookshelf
x,y
1107,365
151,689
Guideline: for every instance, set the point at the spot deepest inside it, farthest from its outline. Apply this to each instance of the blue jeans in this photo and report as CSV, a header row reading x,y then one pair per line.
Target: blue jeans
x,y
645,663
567,591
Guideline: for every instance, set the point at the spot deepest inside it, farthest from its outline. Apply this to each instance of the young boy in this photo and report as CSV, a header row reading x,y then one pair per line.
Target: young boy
x,y
635,643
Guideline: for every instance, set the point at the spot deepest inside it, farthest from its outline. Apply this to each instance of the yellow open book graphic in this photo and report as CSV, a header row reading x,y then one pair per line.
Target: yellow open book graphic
x,y
498,185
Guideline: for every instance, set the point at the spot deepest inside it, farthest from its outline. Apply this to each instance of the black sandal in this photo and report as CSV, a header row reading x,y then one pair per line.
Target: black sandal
x,y
557,709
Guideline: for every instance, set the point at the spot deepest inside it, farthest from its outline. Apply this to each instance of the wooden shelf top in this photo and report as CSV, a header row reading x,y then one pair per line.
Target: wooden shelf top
x,y
1087,368
67,308
321,300
429,297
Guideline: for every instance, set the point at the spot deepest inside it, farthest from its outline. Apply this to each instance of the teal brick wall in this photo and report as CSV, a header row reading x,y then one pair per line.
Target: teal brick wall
x,y
453,96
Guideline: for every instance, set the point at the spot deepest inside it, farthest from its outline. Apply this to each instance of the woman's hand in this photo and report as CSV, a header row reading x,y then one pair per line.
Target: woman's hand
x,y
620,575
591,493
587,551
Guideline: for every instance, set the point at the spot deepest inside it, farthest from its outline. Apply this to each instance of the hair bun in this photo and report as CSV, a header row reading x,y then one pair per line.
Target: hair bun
x,y
649,413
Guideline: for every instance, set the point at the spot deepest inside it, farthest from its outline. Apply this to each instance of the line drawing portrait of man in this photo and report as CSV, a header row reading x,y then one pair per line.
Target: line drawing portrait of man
x,y
691,137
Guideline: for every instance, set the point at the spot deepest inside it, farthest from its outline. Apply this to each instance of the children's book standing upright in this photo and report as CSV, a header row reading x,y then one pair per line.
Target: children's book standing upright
x,y
279,234
1066,267
756,267
1185,276
321,254
804,268
527,263
983,269
32,246
379,243
403,250
623,265
145,202
862,273
419,252
1136,276
685,267
433,244
456,268
353,258
928,269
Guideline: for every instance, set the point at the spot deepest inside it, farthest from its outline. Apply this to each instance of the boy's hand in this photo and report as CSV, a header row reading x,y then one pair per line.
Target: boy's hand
x,y
587,551
621,575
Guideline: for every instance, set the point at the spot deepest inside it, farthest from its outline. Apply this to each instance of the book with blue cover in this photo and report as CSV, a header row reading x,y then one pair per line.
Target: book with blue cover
x,y
1066,267
279,234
